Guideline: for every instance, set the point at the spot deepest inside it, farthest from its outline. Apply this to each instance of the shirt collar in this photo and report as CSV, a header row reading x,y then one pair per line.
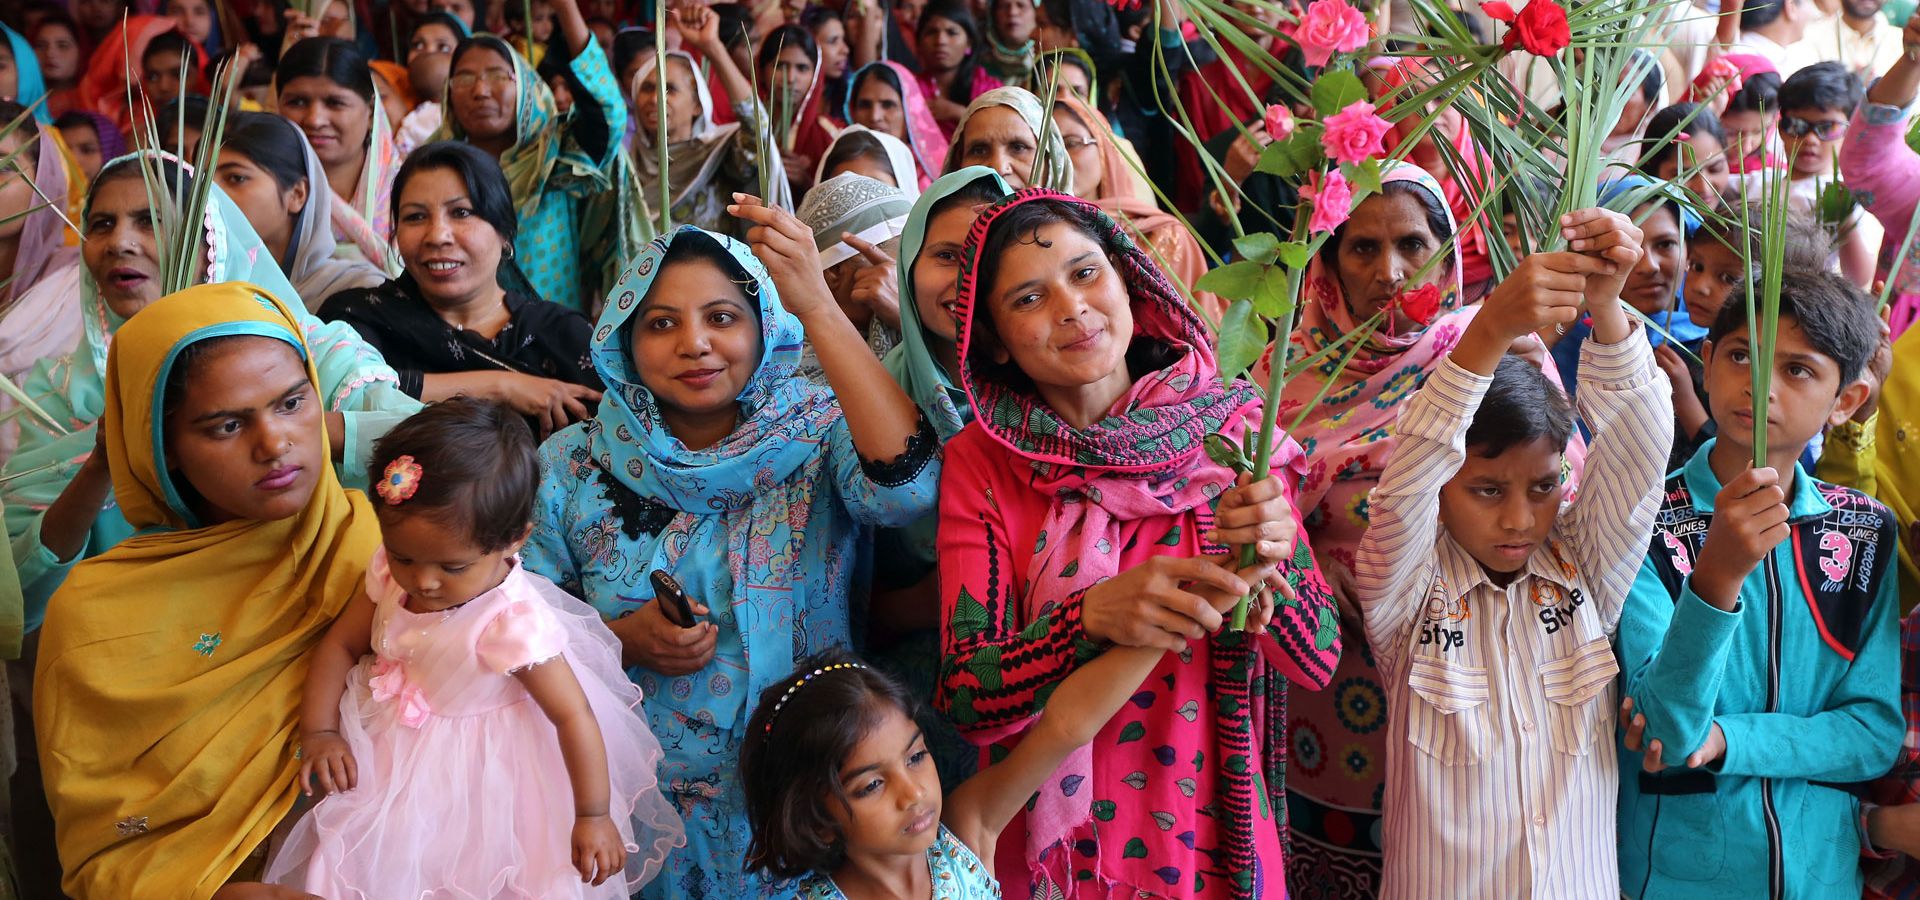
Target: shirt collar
x,y
1460,573
1806,502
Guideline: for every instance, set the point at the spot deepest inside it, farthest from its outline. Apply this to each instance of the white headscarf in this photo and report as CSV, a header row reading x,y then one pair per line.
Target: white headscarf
x,y
899,160
849,202
313,267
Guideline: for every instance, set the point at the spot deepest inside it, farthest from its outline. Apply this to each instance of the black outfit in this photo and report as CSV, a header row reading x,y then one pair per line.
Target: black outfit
x,y
541,338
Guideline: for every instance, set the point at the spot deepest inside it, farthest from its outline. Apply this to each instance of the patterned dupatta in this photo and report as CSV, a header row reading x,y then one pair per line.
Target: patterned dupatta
x,y
1146,459
751,492
363,219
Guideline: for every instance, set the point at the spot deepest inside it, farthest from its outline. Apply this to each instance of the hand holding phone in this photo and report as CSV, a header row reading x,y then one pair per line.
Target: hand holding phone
x,y
674,604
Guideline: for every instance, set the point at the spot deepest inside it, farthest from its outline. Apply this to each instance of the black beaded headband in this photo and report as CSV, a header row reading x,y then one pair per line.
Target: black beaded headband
x,y
796,686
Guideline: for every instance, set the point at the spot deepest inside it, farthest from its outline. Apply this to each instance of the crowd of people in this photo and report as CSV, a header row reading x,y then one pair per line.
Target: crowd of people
x,y
709,450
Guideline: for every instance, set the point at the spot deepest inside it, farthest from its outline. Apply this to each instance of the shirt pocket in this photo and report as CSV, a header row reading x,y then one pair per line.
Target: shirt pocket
x,y
1447,719
1577,697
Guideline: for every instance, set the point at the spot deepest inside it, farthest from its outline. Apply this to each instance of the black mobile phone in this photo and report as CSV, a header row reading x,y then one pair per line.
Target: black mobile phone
x,y
677,609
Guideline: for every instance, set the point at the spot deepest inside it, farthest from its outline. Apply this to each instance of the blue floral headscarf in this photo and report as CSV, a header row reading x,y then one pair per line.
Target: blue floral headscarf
x,y
750,492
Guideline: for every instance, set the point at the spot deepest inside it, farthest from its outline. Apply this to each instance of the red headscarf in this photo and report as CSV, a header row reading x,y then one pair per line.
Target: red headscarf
x,y
103,87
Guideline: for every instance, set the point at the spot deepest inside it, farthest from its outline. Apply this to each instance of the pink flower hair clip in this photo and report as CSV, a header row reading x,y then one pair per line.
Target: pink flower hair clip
x,y
400,481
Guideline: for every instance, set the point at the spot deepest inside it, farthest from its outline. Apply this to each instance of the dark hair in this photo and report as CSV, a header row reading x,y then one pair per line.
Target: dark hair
x,y
335,59
955,11
28,128
856,145
1439,220
1839,320
1521,406
167,42
478,170
815,16
170,117
801,733
701,247
783,37
477,461
1673,121
273,143
131,167
1827,85
628,45
736,23
257,73
74,118
441,18
484,42
886,74
1757,93
1760,13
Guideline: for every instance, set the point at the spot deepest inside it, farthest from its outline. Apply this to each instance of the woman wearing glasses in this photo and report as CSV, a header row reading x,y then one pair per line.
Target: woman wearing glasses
x,y
571,185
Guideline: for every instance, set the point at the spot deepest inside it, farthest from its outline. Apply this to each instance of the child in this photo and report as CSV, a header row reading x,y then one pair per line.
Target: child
x,y
843,794
1493,646
1770,670
161,67
1752,116
488,688
1695,148
1815,106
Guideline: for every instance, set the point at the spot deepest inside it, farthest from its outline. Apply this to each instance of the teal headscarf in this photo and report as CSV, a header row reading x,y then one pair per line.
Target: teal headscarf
x,y
1626,193
30,89
912,362
749,493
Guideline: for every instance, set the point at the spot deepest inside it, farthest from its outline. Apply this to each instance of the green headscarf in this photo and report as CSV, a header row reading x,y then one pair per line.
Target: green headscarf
x,y
912,362
609,225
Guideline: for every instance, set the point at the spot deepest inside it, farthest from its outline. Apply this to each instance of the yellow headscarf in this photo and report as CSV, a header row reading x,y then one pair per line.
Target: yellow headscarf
x,y
167,695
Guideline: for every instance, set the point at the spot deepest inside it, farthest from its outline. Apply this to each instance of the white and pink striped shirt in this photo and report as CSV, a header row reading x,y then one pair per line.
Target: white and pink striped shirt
x,y
1502,778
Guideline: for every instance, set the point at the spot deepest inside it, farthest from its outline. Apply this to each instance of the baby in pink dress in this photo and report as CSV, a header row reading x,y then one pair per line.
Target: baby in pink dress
x,y
491,746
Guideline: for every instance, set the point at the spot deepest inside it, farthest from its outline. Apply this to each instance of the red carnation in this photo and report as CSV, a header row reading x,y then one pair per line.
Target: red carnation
x,y
1422,304
1541,27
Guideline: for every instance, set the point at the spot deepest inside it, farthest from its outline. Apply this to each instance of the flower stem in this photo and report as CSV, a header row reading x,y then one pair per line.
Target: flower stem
x,y
1269,417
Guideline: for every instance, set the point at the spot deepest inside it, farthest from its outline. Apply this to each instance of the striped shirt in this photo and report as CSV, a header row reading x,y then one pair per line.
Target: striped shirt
x,y
1501,769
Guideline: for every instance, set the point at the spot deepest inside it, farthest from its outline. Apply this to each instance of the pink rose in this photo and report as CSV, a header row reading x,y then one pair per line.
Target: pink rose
x,y
1332,203
1280,124
1330,26
1354,134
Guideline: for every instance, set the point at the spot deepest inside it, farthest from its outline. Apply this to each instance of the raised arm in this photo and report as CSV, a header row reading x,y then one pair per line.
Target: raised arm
x,y
881,417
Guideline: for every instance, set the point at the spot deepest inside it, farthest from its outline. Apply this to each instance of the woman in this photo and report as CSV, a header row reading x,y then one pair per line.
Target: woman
x,y
268,169
171,668
571,186
1073,506
1001,130
462,319
56,41
885,96
1010,43
1346,428
711,461
793,90
951,75
36,304
707,163
55,488
1107,174
326,88
20,79
875,154
829,32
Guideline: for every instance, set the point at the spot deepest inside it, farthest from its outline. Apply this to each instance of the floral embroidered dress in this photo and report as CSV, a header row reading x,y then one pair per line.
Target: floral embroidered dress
x,y
957,875
1179,795
444,733
763,527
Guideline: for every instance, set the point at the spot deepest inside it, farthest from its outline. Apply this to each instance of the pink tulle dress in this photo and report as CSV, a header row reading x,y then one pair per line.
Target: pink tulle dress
x,y
462,791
